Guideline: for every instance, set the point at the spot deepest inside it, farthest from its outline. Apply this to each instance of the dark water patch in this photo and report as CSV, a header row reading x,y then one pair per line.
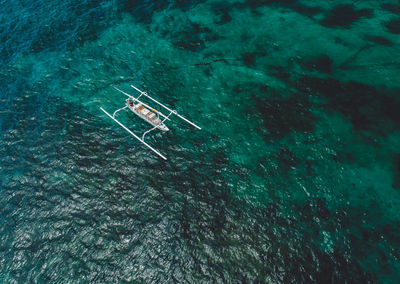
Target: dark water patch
x,y
288,159
241,172
343,157
90,26
254,4
185,33
336,266
391,232
287,162
282,116
249,59
322,63
315,208
300,266
396,166
296,6
267,240
367,237
310,170
39,26
309,11
207,64
41,129
370,236
339,40
279,72
284,2
222,11
194,37
185,5
393,26
208,71
367,108
261,169
379,40
393,8
344,15
143,10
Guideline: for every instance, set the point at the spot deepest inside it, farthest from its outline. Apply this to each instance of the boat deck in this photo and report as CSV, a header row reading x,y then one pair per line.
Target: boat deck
x,y
146,114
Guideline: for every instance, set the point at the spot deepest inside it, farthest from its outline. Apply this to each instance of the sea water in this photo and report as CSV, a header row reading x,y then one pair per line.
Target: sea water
x,y
294,177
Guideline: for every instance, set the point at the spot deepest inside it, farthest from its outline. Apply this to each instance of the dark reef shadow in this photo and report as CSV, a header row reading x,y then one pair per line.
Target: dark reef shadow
x,y
393,8
280,116
143,10
379,40
396,166
223,9
393,26
344,15
366,107
193,37
322,63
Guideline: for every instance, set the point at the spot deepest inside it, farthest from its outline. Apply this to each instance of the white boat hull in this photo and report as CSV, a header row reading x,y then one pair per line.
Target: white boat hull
x,y
147,115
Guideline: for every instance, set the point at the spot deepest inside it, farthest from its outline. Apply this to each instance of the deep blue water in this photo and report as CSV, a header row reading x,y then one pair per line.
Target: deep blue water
x,y
294,177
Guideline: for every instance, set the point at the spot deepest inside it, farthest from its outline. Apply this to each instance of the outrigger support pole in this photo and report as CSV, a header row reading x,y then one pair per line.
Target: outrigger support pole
x,y
155,126
167,108
115,112
134,135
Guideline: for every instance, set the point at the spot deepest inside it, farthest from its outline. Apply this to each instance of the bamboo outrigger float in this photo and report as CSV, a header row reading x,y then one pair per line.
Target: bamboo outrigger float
x,y
147,113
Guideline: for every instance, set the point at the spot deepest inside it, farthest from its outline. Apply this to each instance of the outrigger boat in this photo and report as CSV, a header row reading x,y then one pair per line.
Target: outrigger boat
x,y
147,113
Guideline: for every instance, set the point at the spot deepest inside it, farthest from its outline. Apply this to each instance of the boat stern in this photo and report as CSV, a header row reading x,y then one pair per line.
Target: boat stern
x,y
163,127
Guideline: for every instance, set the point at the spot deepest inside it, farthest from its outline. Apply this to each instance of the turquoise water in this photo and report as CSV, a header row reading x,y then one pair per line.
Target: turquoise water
x,y
294,177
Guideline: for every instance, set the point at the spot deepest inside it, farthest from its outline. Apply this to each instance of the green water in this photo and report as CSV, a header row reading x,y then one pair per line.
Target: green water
x,y
294,177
